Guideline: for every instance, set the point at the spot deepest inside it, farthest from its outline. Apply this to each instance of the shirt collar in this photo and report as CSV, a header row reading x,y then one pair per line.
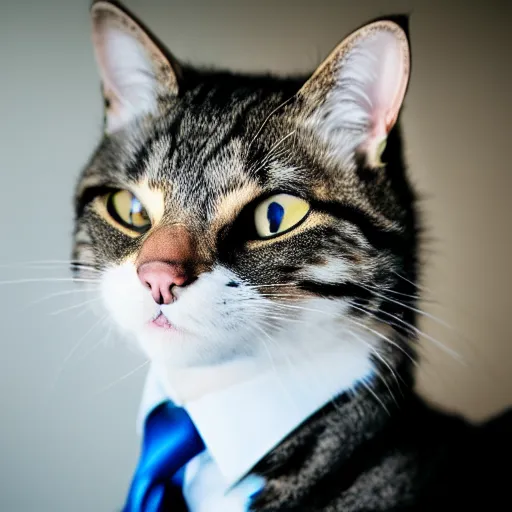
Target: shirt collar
x,y
240,424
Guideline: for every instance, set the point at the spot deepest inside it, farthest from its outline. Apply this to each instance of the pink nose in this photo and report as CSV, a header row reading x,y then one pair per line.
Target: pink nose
x,y
160,277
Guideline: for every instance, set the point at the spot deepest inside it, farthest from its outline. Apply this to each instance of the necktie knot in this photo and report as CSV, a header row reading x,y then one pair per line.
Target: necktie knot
x,y
170,440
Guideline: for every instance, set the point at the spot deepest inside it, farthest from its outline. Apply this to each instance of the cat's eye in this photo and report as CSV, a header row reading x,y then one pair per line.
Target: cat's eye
x,y
128,211
278,214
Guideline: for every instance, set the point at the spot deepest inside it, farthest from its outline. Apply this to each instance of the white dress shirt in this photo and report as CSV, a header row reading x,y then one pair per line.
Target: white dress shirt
x,y
240,424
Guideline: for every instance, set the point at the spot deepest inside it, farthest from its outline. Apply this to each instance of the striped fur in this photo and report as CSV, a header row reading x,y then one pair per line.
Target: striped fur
x,y
202,149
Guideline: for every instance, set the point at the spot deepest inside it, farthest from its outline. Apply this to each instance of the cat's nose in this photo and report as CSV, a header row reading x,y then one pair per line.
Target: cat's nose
x,y
160,277
167,259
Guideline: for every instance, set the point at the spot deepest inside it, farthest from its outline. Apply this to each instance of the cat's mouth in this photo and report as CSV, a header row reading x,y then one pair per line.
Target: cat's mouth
x,y
160,321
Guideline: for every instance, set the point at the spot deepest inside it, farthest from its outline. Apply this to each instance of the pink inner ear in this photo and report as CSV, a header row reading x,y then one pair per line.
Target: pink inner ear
x,y
385,87
127,75
128,61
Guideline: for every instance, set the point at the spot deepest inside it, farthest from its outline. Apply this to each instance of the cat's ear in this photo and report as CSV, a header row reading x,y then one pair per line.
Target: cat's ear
x,y
353,99
136,72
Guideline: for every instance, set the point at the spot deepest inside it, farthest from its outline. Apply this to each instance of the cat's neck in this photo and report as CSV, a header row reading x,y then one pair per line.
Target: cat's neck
x,y
333,371
184,385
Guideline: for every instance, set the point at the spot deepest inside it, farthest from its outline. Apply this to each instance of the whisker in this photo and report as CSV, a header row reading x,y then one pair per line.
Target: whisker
x,y
286,319
70,354
271,152
100,270
424,289
289,363
50,280
266,295
41,262
53,268
268,285
75,306
347,318
101,342
77,345
383,379
67,292
374,351
385,338
267,118
269,354
415,330
364,383
401,294
302,308
121,379
408,306
81,313
380,358
269,296
377,355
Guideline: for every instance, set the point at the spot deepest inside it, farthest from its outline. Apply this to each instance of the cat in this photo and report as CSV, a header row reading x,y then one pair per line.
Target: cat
x,y
242,224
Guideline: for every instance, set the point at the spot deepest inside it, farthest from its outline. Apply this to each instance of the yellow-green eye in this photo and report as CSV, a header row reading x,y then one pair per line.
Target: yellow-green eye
x,y
128,211
278,214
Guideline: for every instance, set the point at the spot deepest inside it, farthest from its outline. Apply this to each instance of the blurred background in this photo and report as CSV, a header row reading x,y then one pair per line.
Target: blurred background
x,y
69,387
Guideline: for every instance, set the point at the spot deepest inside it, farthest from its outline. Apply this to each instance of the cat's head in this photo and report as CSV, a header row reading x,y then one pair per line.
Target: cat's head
x,y
230,217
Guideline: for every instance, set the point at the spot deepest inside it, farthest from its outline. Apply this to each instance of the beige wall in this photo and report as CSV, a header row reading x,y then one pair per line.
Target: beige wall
x,y
67,440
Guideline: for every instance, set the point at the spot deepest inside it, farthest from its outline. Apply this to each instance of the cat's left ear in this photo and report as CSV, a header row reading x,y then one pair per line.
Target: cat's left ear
x,y
137,74
354,98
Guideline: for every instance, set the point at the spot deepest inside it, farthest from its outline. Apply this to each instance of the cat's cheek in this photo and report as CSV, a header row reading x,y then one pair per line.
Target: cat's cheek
x,y
128,303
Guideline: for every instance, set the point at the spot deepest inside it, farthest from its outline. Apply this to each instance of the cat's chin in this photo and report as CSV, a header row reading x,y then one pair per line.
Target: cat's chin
x,y
180,349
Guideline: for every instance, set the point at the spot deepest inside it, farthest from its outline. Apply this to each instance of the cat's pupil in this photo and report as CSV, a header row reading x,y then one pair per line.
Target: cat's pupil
x,y
275,214
136,205
137,211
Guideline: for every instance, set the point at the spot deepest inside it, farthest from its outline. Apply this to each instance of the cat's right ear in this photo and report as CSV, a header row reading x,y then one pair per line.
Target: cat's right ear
x,y
137,74
353,100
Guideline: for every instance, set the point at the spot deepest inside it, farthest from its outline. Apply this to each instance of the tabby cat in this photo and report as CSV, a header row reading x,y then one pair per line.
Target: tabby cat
x,y
244,225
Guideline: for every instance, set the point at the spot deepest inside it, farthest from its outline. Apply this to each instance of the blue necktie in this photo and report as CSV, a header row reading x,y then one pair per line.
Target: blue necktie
x,y
170,441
